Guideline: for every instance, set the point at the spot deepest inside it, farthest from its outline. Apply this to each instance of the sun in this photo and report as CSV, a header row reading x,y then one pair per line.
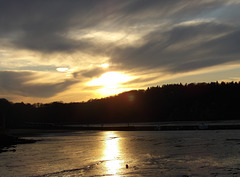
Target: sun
x,y
110,79
111,83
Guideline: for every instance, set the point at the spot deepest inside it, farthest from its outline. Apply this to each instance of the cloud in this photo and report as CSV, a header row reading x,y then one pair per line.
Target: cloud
x,y
21,83
93,72
224,49
141,81
44,25
183,48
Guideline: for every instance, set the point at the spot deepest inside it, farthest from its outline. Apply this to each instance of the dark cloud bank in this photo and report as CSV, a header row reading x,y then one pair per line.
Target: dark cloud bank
x,y
18,83
184,48
43,25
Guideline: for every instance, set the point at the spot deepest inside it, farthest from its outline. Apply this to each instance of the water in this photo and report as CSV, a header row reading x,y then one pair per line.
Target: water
x,y
105,153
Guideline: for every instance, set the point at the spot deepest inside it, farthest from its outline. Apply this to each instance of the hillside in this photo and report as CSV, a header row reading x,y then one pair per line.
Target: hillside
x,y
176,102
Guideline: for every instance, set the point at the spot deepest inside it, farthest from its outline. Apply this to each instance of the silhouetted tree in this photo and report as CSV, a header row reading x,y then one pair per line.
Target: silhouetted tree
x,y
174,102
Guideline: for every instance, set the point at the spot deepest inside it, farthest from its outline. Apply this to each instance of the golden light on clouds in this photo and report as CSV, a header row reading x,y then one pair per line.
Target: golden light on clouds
x,y
111,83
105,65
66,70
119,37
62,69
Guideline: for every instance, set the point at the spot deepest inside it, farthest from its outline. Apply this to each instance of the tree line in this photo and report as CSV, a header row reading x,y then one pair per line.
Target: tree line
x,y
174,102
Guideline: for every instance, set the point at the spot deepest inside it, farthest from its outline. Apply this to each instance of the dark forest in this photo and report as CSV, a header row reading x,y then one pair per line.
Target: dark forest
x,y
175,102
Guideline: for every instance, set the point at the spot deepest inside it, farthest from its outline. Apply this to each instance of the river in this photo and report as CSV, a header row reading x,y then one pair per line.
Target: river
x,y
126,153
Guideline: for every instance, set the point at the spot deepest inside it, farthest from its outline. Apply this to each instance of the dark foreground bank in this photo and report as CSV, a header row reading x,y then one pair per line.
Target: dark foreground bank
x,y
6,142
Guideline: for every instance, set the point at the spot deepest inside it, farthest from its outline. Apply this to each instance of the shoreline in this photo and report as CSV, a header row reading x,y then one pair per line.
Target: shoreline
x,y
7,142
157,128
35,129
13,137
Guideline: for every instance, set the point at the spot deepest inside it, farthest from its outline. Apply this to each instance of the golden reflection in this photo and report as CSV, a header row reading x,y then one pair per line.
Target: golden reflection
x,y
111,154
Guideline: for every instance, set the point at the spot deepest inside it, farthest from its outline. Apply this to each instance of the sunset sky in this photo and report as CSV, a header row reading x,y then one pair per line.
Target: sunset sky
x,y
76,50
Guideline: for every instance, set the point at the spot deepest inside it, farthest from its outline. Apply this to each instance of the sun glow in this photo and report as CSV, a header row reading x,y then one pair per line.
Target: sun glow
x,y
111,83
105,65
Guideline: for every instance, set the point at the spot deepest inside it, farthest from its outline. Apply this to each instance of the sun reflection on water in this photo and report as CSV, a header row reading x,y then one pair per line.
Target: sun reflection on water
x,y
111,154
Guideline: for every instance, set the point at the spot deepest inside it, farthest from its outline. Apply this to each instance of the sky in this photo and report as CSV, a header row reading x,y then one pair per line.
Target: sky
x,y
76,50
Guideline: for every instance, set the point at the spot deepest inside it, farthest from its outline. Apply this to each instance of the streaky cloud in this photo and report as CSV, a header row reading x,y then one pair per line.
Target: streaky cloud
x,y
183,48
43,25
20,83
